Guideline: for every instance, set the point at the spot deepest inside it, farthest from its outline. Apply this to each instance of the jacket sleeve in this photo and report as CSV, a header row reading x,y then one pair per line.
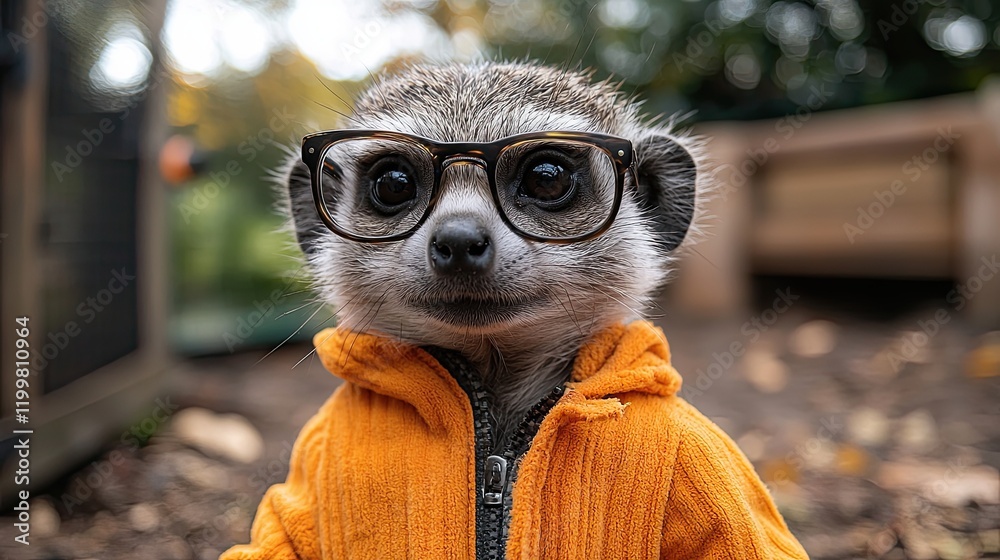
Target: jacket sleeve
x,y
285,527
718,507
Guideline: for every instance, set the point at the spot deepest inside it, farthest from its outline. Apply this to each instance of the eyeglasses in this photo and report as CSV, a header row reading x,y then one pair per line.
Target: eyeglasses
x,y
559,187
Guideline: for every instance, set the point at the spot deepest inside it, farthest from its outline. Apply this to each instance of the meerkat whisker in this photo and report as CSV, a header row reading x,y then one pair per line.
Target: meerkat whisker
x,y
335,94
299,308
289,337
313,351
363,328
329,108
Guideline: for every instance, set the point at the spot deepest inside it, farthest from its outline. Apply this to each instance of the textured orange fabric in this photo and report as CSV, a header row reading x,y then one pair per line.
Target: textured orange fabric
x,y
621,468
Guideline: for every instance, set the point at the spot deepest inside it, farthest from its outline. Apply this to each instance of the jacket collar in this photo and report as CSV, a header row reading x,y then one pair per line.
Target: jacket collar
x,y
626,358
620,359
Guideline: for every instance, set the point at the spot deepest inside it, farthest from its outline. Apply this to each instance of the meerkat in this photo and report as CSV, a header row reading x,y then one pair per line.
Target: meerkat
x,y
493,236
523,308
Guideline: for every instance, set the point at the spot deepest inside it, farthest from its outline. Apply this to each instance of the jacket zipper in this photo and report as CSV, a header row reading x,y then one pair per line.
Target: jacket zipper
x,y
496,469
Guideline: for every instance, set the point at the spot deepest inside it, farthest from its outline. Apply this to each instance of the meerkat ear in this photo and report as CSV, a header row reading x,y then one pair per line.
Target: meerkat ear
x,y
666,174
300,207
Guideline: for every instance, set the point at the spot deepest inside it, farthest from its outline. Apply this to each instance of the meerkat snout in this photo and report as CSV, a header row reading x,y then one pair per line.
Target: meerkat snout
x,y
460,245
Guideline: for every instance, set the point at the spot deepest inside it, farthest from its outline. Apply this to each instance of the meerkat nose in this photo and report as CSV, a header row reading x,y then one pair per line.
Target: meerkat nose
x,y
460,246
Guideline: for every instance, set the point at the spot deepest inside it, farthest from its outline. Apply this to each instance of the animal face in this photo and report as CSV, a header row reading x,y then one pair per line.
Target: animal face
x,y
474,265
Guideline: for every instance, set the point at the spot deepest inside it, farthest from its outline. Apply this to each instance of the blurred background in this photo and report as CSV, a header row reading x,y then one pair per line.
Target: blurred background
x,y
840,321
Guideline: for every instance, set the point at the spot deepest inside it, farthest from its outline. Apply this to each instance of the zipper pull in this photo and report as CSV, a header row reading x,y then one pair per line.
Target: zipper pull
x,y
495,475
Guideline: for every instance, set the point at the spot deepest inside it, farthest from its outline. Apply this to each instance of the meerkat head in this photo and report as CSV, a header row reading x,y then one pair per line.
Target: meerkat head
x,y
468,271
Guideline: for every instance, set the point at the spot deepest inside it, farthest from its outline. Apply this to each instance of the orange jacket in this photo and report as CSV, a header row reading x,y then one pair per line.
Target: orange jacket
x,y
620,467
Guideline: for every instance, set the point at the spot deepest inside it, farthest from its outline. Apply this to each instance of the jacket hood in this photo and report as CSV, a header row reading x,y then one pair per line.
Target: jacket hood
x,y
626,358
619,359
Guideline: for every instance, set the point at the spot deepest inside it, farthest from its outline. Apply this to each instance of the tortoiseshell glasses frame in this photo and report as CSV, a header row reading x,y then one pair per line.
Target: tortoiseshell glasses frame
x,y
485,154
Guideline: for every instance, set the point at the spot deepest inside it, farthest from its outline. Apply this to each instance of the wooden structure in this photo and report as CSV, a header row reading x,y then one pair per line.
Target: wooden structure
x,y
906,190
96,368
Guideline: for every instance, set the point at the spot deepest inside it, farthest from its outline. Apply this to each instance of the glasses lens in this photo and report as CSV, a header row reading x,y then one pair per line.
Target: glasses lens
x,y
556,188
374,187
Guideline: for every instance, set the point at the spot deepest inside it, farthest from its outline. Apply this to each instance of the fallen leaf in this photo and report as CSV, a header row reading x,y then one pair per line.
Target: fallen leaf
x,y
852,460
984,360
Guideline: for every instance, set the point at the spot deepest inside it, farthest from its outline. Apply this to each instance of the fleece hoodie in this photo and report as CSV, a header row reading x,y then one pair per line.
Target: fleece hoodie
x,y
615,466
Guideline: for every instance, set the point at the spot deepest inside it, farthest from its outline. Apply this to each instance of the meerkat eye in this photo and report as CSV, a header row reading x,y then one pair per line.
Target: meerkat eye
x,y
548,181
393,184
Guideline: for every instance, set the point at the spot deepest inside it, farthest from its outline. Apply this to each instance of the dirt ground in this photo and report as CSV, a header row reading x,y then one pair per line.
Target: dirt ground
x,y
878,439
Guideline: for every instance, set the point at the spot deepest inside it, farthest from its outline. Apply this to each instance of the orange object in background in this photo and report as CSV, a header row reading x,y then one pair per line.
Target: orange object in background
x,y
984,360
179,160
